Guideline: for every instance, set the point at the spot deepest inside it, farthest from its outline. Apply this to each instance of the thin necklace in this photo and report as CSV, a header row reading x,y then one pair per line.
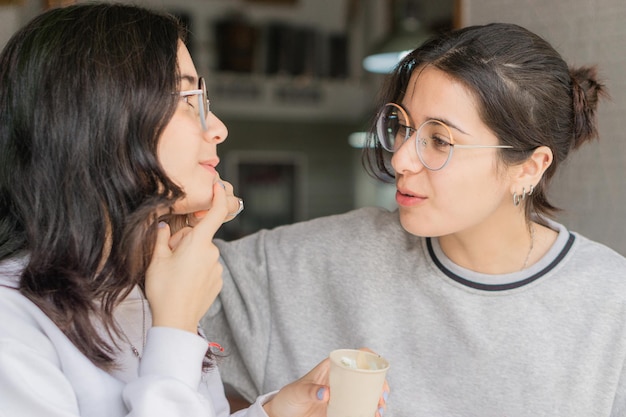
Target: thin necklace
x,y
532,245
134,349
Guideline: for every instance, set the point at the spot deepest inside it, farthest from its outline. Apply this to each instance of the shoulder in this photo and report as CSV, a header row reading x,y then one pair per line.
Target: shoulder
x,y
598,255
24,324
22,321
353,223
583,254
321,237
596,270
370,223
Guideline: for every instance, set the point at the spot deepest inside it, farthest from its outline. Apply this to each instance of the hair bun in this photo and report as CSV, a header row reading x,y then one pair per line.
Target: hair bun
x,y
586,91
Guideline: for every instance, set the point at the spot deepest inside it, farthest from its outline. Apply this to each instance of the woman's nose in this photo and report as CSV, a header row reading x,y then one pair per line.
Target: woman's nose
x,y
405,158
217,130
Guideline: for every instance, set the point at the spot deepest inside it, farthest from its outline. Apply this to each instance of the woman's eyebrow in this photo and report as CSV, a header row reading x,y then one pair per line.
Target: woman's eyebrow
x,y
443,120
191,79
450,124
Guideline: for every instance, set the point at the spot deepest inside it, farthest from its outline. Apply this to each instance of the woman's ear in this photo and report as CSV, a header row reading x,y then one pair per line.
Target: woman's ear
x,y
530,171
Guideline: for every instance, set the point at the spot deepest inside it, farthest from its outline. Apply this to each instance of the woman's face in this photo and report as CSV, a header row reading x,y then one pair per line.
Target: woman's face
x,y
187,153
469,191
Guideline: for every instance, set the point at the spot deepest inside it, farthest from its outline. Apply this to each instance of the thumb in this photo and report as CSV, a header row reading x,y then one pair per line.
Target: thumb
x,y
321,392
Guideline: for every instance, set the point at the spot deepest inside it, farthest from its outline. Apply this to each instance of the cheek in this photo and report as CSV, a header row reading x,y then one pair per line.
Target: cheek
x,y
457,200
469,190
172,162
176,151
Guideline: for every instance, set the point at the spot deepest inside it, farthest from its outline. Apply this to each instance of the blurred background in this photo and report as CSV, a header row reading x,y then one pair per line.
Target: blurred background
x,y
288,79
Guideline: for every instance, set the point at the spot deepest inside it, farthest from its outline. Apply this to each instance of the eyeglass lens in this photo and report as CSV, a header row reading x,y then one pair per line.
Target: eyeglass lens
x,y
392,127
203,103
432,142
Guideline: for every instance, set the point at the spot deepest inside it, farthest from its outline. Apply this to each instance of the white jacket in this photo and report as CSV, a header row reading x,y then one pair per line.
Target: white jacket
x,y
43,374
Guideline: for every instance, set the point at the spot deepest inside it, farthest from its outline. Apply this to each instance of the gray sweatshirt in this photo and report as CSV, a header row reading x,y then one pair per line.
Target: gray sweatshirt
x,y
547,341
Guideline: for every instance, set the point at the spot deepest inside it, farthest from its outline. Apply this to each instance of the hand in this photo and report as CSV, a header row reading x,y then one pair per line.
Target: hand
x,y
235,206
382,402
185,276
306,397
309,395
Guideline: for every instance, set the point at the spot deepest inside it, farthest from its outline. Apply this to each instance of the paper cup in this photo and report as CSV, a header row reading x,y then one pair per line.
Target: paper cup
x,y
356,382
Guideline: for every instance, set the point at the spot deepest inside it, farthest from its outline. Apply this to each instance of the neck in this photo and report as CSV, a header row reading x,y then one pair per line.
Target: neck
x,y
492,250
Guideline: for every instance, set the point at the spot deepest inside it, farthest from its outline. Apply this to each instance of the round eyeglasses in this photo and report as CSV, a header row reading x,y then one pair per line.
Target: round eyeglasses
x,y
433,140
203,106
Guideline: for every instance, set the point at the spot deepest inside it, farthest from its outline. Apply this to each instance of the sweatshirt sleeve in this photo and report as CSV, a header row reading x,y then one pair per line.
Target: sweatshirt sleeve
x,y
240,319
169,376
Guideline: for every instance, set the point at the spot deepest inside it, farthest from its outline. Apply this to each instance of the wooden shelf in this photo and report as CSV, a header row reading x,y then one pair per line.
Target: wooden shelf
x,y
254,96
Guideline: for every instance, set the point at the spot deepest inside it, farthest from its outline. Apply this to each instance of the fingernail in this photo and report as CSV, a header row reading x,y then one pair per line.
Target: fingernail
x,y
162,225
381,411
222,184
385,395
320,393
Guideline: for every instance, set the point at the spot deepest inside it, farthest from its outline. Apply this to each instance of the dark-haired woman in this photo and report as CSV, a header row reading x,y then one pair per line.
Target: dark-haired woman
x,y
483,303
107,143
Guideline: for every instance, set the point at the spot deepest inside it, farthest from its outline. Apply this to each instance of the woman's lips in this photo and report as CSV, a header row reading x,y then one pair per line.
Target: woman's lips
x,y
406,198
210,167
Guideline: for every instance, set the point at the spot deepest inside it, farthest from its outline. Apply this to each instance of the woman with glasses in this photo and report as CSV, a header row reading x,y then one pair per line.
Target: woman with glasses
x,y
107,148
483,303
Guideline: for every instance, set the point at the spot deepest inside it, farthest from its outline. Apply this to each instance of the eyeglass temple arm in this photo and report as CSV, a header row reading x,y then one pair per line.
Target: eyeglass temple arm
x,y
482,146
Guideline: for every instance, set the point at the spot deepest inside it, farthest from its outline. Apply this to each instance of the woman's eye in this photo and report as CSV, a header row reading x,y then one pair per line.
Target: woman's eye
x,y
187,100
440,142
405,131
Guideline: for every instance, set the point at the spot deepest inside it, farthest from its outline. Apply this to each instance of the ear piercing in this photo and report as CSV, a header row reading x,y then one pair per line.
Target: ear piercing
x,y
518,198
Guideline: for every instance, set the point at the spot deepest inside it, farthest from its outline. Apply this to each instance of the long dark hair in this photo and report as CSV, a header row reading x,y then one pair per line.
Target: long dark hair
x,y
524,90
86,92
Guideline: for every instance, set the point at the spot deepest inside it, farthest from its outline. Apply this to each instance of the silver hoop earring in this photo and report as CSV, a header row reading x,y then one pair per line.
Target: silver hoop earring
x,y
516,199
523,193
530,192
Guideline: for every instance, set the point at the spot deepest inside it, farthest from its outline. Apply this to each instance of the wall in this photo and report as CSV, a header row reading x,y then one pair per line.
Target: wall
x,y
10,18
592,186
328,158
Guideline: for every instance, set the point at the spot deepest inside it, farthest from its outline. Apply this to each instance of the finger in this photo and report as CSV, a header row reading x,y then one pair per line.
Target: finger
x,y
197,215
227,186
385,395
382,401
234,213
321,392
214,218
161,247
177,237
235,206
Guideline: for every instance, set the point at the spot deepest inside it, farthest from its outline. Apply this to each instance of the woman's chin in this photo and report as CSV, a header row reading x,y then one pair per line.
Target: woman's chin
x,y
185,208
414,226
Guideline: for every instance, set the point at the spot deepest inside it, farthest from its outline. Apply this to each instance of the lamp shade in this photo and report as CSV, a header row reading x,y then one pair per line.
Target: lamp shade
x,y
384,58
408,33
